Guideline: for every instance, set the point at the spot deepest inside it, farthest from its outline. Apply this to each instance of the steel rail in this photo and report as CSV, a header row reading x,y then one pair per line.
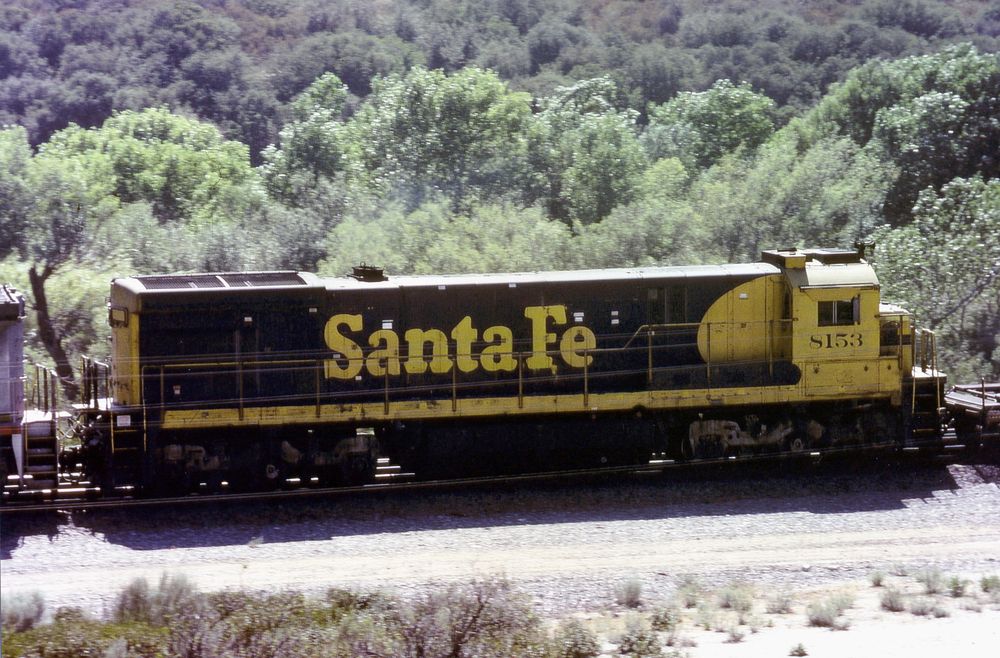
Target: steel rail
x,y
654,466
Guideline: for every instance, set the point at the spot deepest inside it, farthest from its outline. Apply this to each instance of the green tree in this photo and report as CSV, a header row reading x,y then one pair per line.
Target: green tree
x,y
435,239
588,151
463,134
354,57
918,17
56,232
945,266
932,116
64,208
830,194
15,191
313,145
181,166
659,228
700,127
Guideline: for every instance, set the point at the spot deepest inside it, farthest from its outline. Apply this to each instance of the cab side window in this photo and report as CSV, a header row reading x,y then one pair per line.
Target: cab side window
x,y
839,312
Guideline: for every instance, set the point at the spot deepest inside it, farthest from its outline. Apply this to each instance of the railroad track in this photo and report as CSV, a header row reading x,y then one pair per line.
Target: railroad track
x,y
78,498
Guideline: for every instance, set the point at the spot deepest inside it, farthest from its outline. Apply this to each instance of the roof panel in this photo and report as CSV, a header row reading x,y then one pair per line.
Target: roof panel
x,y
567,276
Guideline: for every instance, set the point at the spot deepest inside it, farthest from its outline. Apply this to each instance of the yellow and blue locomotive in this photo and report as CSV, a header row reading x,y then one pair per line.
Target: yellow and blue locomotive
x,y
253,378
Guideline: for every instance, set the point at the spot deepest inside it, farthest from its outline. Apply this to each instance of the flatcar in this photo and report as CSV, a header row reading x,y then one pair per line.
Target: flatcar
x,y
248,379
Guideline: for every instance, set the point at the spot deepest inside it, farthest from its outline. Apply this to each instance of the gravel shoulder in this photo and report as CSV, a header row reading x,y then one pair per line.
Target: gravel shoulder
x,y
565,545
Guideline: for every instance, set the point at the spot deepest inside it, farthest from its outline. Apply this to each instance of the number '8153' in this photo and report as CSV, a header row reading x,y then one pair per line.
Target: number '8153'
x,y
833,341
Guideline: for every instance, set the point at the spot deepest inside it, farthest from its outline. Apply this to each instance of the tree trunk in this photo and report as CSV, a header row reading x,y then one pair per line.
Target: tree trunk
x,y
47,332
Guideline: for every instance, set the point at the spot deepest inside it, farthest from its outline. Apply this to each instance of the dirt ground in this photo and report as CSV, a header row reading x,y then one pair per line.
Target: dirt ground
x,y
569,547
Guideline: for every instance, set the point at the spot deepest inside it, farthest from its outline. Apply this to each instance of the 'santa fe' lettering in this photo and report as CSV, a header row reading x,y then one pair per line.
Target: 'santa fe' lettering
x,y
435,352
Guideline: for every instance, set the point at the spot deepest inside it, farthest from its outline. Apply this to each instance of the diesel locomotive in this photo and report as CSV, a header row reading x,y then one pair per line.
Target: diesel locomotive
x,y
245,380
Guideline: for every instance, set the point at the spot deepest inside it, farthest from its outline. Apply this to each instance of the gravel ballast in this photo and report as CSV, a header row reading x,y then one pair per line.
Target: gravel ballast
x,y
567,544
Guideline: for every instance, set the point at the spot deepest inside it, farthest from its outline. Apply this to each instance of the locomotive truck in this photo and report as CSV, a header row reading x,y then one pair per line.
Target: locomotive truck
x,y
246,380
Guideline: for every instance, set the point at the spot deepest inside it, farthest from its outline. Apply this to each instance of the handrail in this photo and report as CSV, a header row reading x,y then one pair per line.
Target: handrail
x,y
93,371
239,367
44,390
925,356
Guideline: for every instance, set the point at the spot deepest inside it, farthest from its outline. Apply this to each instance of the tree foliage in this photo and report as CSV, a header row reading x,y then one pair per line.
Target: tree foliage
x,y
462,134
240,63
635,148
588,151
701,127
946,265
184,168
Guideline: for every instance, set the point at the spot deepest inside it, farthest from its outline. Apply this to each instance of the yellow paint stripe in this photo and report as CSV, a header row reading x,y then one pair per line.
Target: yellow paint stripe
x,y
442,409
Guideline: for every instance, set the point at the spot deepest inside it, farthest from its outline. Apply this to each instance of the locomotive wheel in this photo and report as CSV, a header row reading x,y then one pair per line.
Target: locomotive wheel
x,y
272,477
171,482
687,450
967,431
357,470
795,443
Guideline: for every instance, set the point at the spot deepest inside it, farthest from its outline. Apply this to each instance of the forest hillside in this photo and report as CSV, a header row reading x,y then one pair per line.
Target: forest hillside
x,y
454,136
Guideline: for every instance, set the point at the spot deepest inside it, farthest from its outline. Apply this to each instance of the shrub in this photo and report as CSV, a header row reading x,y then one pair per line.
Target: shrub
x,y
22,612
932,580
842,601
638,642
738,598
780,604
878,579
823,614
957,586
706,615
665,620
689,592
117,649
173,597
826,613
734,635
574,640
798,650
923,607
892,600
485,617
134,602
69,614
361,634
990,584
343,602
72,638
629,593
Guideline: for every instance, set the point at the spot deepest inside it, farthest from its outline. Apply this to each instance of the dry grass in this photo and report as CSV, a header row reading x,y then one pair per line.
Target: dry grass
x,y
689,592
957,586
629,593
932,580
22,612
780,604
827,614
737,597
892,600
